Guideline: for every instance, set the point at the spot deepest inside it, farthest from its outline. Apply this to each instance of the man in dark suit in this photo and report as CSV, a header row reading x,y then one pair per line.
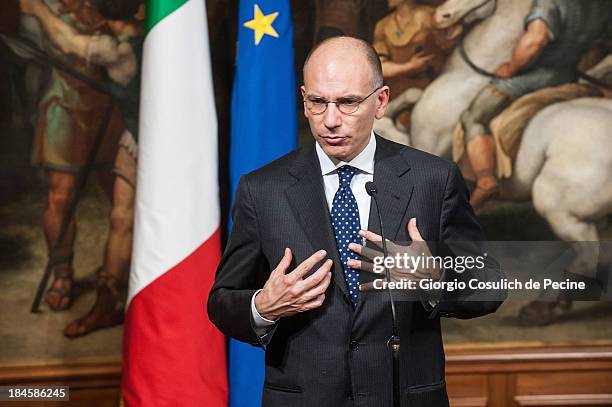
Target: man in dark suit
x,y
284,282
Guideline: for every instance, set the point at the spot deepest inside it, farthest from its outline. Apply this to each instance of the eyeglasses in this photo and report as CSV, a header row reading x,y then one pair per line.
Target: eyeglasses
x,y
346,105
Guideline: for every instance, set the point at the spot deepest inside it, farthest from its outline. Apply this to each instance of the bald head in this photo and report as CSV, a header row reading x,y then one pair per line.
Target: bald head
x,y
347,50
343,94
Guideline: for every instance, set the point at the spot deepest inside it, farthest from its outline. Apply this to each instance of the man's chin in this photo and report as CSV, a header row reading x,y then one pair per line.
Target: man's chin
x,y
339,152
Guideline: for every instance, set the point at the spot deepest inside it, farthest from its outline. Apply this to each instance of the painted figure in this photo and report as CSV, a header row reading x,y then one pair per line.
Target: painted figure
x,y
412,51
555,168
70,114
557,34
117,52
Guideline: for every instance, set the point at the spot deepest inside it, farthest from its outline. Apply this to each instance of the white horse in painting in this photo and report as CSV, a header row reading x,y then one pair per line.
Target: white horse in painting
x,y
566,150
565,158
489,44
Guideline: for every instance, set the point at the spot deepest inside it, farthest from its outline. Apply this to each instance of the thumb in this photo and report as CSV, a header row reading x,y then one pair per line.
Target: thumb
x,y
413,231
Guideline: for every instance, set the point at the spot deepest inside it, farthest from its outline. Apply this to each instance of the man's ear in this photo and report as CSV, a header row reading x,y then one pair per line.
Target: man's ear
x,y
382,101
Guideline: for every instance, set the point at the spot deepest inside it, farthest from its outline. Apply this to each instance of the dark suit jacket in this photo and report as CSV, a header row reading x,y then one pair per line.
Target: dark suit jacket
x,y
336,355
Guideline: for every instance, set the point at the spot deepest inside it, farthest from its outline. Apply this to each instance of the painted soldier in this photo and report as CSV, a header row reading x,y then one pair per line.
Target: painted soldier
x,y
557,34
70,114
119,54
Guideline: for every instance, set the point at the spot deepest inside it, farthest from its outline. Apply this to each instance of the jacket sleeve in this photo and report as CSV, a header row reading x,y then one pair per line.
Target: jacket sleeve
x,y
240,273
460,234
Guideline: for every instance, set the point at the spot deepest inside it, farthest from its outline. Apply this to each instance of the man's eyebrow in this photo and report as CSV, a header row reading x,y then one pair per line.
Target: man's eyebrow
x,y
343,97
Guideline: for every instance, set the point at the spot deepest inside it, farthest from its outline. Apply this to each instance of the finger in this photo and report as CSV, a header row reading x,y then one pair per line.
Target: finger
x,y
315,278
316,303
413,231
355,247
318,289
370,236
366,287
363,266
307,264
375,239
379,244
369,253
284,263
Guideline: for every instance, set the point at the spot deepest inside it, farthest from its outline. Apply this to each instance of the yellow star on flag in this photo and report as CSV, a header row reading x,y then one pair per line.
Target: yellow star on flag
x,y
261,24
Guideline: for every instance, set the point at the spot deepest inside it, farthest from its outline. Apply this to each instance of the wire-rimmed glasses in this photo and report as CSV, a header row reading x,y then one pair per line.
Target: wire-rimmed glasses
x,y
346,105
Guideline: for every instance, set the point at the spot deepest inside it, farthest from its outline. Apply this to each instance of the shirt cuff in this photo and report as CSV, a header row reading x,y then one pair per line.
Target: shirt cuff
x,y
261,325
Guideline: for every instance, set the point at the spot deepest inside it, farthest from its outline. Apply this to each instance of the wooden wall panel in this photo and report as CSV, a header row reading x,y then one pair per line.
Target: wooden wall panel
x,y
469,390
93,382
564,382
565,400
533,375
511,376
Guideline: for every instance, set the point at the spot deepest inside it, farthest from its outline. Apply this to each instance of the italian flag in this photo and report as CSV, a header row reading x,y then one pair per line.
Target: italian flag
x,y
173,355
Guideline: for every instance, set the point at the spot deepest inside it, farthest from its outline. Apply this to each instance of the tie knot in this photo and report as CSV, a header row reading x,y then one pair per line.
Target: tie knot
x,y
345,175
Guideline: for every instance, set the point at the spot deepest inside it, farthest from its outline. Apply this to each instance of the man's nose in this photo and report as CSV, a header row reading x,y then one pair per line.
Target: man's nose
x,y
332,116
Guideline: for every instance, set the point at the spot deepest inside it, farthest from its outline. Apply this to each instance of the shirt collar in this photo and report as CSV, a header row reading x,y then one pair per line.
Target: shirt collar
x,y
364,161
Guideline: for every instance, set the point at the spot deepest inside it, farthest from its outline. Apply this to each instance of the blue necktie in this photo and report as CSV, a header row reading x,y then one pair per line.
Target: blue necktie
x,y
345,220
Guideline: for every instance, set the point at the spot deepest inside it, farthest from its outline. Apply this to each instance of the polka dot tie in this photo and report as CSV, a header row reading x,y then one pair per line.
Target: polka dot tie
x,y
345,220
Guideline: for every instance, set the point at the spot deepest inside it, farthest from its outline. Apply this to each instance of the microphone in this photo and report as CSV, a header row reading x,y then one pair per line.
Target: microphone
x,y
394,342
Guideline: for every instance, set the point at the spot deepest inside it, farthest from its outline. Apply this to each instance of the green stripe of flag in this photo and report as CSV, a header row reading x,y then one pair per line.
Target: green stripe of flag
x,y
157,10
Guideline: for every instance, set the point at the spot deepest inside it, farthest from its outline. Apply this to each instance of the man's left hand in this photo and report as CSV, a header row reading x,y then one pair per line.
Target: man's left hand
x,y
418,248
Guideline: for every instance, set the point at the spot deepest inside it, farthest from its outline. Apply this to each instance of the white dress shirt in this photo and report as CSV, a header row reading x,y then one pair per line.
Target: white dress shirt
x,y
364,162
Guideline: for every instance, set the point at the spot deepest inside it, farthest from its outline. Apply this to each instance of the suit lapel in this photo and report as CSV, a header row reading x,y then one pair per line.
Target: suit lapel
x,y
307,200
395,188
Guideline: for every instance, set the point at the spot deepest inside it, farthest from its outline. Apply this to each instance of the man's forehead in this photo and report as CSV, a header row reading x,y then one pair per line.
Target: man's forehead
x,y
335,90
335,76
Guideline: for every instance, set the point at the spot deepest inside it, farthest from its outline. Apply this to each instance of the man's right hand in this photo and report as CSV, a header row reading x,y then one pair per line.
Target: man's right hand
x,y
284,294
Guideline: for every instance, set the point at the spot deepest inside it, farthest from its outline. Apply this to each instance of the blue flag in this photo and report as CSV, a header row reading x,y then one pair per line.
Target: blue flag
x,y
263,128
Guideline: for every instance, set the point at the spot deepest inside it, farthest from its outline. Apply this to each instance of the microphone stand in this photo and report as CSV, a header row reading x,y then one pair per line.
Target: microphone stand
x,y
394,342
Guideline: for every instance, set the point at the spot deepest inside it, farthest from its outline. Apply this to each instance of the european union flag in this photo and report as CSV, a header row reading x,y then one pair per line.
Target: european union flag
x,y
263,128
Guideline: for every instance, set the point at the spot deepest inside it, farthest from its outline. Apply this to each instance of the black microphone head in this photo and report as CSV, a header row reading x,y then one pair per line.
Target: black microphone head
x,y
371,188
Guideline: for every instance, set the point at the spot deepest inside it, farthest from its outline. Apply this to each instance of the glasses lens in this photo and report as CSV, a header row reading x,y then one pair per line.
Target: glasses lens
x,y
316,107
348,107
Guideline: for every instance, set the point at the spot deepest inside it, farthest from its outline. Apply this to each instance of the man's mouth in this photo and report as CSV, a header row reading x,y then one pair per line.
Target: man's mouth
x,y
333,140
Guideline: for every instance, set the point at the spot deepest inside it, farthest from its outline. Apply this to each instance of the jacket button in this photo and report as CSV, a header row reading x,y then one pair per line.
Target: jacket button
x,y
354,345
